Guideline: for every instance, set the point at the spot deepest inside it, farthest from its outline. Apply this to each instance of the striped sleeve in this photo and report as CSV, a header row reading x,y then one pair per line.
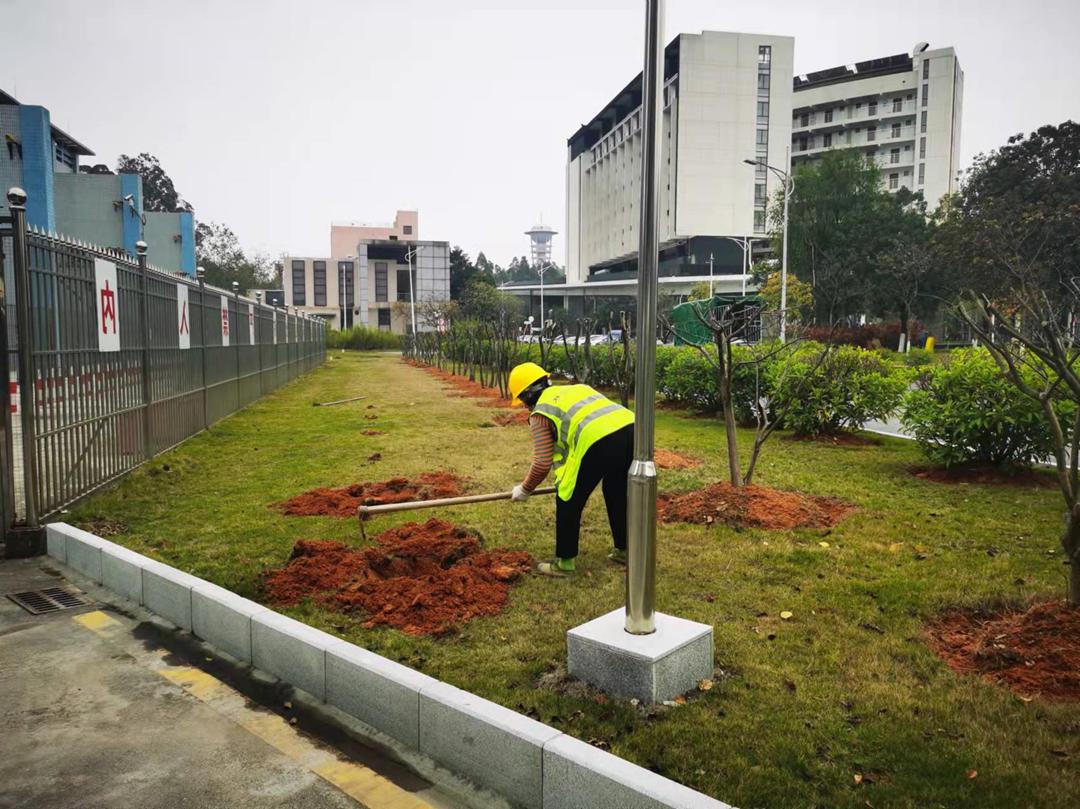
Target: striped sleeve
x,y
543,436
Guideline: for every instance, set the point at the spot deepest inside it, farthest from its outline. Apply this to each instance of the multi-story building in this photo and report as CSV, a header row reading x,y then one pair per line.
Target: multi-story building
x,y
726,98
903,111
344,236
90,204
362,287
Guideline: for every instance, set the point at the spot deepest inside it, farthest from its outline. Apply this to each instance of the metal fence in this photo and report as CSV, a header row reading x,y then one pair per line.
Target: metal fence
x,y
124,361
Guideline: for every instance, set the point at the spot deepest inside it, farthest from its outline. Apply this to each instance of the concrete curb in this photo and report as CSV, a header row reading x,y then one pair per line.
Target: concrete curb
x,y
522,760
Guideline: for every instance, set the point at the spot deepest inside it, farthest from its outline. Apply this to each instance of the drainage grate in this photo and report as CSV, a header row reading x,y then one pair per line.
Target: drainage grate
x,y
49,599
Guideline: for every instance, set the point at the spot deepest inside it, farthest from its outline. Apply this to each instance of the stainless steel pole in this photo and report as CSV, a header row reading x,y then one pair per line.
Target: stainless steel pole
x,y
17,205
235,337
200,274
783,260
140,251
412,294
641,506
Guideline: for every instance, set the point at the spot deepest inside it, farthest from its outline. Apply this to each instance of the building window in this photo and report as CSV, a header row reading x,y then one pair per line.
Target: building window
x,y
299,277
345,272
897,104
319,282
922,173
826,140
404,289
896,130
804,119
871,133
926,69
922,119
894,181
763,109
384,320
922,148
763,137
759,221
847,137
828,116
381,294
763,81
759,193
925,93
764,54
407,230
873,108
894,155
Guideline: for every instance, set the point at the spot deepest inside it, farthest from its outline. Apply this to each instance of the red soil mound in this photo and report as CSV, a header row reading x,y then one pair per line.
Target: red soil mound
x,y
465,388
752,507
1034,652
513,417
343,502
665,459
423,579
985,475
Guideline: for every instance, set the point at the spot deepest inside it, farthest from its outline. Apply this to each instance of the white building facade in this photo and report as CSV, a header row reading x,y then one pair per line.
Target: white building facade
x,y
726,99
903,111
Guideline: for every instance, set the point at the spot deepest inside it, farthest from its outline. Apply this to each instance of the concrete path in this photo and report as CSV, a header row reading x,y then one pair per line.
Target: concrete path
x,y
101,708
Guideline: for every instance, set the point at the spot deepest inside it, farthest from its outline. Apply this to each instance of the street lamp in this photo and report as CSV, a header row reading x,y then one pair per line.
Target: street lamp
x,y
543,268
789,187
412,251
744,244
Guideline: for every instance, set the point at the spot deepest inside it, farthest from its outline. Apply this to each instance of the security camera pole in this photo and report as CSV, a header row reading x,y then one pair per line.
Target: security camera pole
x,y
641,501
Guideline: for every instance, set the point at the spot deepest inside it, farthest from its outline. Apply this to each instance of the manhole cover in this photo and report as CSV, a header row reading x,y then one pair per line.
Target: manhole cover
x,y
49,599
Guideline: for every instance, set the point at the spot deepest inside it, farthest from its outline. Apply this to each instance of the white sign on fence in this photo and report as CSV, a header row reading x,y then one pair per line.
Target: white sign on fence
x,y
108,305
183,319
224,320
251,324
273,314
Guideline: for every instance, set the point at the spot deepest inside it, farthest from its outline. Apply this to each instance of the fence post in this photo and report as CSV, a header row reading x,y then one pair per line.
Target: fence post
x,y
140,250
30,540
236,340
200,274
258,338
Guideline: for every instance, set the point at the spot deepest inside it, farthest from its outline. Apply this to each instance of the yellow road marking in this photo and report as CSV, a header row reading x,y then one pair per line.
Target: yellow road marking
x,y
363,785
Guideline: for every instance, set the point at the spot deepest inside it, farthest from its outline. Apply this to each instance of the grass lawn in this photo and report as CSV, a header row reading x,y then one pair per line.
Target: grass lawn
x,y
846,687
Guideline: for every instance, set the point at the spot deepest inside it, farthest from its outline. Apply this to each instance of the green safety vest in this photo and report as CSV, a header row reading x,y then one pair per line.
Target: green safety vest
x,y
581,417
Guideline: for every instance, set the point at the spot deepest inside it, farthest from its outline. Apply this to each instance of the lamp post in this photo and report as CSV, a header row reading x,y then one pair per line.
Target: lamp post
x,y
744,246
789,187
412,251
543,268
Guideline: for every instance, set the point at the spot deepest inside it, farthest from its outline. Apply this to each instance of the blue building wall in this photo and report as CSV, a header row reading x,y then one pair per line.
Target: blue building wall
x,y
37,168
133,226
187,245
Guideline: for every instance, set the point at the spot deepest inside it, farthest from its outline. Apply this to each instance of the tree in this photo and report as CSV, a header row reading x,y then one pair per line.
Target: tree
x,y
463,271
218,251
483,301
1014,234
800,298
159,193
699,292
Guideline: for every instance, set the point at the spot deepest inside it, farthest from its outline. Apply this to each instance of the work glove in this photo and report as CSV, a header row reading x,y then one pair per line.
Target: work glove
x,y
519,494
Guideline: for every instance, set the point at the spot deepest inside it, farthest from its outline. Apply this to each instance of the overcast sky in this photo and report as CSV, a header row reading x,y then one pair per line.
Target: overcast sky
x,y
278,117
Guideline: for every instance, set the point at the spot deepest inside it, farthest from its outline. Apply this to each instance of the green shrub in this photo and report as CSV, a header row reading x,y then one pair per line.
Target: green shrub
x,y
918,358
843,391
965,411
362,338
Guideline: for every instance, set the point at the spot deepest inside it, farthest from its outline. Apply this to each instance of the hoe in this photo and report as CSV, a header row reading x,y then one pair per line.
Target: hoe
x,y
365,511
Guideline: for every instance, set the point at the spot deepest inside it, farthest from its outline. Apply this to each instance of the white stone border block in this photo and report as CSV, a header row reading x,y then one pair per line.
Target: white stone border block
x,y
56,541
223,619
291,650
167,591
377,691
121,571
495,747
83,552
577,774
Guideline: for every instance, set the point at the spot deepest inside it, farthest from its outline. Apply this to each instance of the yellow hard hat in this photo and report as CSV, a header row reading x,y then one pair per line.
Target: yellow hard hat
x,y
521,376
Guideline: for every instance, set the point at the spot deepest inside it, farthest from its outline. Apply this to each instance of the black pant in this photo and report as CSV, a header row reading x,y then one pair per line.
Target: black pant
x,y
607,460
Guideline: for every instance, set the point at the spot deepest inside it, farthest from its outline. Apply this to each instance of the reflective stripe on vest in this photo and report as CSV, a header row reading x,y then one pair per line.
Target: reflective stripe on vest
x,y
565,404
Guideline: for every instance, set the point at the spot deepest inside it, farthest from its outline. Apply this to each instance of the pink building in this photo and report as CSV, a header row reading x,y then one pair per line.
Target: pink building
x,y
345,236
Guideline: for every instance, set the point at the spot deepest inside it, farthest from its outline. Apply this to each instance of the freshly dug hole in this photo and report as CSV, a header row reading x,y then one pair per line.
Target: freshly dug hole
x,y
752,507
344,502
424,579
1035,652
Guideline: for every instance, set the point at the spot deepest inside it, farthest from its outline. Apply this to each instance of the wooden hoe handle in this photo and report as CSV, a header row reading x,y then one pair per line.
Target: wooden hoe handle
x,y
364,511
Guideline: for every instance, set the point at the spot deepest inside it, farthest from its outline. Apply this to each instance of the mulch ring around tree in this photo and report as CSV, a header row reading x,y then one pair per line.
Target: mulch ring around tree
x,y
466,388
666,459
343,502
1035,651
752,507
986,475
422,578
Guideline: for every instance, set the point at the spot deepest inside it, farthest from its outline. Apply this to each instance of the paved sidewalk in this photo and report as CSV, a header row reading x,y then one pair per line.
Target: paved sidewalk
x,y
100,708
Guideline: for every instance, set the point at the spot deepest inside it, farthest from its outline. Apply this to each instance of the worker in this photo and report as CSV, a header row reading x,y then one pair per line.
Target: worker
x,y
590,440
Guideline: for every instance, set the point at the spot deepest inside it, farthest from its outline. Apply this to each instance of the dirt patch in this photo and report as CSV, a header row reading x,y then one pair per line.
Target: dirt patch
x,y
666,459
752,507
343,502
986,475
1034,651
512,417
465,388
371,432
837,439
424,579
103,526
